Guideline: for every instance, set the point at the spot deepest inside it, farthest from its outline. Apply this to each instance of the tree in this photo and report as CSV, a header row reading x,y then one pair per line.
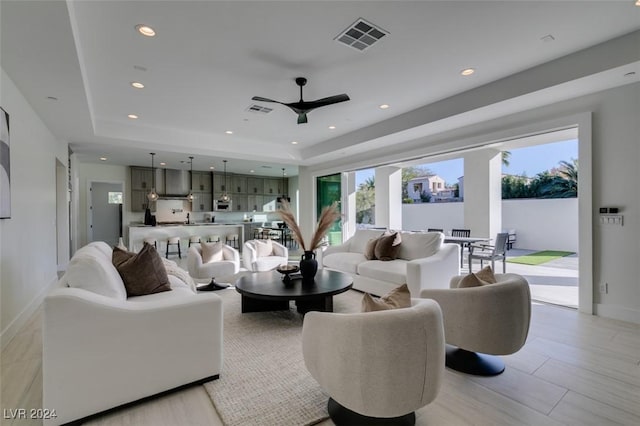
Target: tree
x,y
506,155
366,201
564,184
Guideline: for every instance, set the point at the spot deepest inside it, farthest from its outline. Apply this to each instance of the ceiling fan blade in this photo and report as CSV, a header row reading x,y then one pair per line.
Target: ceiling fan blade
x,y
261,99
302,118
327,101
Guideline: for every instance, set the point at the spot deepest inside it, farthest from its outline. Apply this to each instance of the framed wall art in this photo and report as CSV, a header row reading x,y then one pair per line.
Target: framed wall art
x,y
5,166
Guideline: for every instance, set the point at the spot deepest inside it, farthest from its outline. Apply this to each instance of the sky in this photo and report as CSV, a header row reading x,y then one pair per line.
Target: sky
x,y
529,161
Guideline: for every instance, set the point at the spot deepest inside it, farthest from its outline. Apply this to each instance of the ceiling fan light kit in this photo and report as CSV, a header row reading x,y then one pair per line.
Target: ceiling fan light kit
x,y
303,107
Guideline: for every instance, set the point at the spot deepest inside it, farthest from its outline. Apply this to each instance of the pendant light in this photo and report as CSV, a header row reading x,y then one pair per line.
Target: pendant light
x,y
152,195
284,193
190,196
225,196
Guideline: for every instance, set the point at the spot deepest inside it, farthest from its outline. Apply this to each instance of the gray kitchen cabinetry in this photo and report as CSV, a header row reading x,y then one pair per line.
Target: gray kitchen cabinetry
x,y
254,202
141,178
239,203
272,187
201,182
202,202
255,185
238,184
139,201
269,203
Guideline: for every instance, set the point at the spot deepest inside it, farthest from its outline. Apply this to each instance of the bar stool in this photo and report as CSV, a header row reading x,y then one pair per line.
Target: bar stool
x,y
194,239
232,240
213,238
152,241
173,241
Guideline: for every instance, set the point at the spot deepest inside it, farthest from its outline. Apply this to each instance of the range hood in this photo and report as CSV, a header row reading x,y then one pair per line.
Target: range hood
x,y
177,184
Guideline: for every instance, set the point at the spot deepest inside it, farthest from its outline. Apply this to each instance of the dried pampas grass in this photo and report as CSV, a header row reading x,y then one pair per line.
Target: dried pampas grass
x,y
328,216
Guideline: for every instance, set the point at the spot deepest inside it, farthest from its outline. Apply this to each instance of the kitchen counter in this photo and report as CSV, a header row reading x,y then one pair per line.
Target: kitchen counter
x,y
138,232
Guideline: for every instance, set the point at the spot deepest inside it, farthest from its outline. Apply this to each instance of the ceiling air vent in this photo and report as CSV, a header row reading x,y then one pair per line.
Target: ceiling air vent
x,y
361,35
259,109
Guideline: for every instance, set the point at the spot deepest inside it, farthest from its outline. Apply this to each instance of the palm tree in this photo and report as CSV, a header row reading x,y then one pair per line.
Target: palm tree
x,y
505,158
565,183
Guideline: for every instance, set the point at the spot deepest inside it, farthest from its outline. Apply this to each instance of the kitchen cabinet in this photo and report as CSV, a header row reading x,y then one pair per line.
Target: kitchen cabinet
x,y
201,181
238,184
202,202
271,186
255,185
269,203
138,202
141,178
239,203
254,202
218,182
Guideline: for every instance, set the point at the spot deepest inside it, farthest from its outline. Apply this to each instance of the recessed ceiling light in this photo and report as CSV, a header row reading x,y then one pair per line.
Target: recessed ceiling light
x,y
332,127
145,30
252,171
103,158
637,2
211,168
132,116
137,85
229,132
163,164
467,71
294,143
384,106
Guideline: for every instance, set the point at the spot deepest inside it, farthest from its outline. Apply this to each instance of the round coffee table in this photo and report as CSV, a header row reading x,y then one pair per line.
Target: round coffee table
x,y
265,291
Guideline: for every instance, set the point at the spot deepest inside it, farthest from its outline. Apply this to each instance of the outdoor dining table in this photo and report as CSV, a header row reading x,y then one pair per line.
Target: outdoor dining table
x,y
465,240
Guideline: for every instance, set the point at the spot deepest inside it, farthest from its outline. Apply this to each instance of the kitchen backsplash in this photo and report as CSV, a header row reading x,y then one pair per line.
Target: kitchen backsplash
x,y
176,211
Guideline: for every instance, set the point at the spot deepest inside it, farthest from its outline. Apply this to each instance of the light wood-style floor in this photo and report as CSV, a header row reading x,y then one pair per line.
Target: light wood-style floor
x,y
575,369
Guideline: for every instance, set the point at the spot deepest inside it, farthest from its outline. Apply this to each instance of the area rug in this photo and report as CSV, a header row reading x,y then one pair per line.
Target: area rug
x,y
539,257
264,380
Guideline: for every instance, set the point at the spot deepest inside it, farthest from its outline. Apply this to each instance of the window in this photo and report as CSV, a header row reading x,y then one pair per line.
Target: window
x,y
115,198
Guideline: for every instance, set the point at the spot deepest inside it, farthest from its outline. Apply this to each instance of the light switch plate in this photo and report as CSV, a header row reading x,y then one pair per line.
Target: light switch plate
x,y
611,219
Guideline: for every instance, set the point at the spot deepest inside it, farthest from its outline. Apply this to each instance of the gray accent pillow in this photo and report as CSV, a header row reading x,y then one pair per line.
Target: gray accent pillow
x,y
385,250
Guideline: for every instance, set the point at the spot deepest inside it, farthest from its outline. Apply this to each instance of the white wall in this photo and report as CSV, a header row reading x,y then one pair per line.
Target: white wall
x,y
539,224
443,216
28,248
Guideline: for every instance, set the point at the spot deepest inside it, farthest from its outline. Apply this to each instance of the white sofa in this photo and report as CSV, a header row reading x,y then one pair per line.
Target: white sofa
x,y
102,350
424,261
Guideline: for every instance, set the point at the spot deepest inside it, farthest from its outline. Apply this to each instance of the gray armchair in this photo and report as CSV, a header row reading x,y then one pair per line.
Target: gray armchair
x,y
490,252
377,367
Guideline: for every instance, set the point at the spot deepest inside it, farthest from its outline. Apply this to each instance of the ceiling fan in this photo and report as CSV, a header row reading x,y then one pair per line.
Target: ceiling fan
x,y
301,107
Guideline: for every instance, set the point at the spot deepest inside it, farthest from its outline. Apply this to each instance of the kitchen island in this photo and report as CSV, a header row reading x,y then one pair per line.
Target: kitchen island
x,y
138,233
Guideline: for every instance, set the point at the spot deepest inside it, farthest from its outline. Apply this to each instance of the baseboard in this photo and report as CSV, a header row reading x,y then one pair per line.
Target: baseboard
x,y
19,321
617,312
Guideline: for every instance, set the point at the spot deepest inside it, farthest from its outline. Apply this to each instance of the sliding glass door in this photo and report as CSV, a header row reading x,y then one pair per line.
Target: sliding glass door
x,y
329,190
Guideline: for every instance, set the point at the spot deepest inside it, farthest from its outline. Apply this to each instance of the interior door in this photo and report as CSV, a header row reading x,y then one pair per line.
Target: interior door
x,y
329,190
106,213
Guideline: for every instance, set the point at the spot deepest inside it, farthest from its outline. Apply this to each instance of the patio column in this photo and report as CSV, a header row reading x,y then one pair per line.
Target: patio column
x,y
348,207
389,197
483,192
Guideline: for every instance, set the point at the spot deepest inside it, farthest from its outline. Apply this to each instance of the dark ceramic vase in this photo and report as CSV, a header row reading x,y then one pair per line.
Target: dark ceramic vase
x,y
308,265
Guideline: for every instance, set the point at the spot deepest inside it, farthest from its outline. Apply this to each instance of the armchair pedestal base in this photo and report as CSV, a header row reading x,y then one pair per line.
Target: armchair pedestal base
x,y
473,362
342,416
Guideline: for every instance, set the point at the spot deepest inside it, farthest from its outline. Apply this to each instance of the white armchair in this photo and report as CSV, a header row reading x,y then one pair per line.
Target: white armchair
x,y
481,322
264,255
374,365
229,265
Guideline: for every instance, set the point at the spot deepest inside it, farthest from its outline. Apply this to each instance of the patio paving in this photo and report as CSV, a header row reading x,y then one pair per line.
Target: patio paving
x,y
553,282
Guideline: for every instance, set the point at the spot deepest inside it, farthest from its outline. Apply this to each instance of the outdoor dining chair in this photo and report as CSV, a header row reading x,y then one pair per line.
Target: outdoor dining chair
x,y
491,252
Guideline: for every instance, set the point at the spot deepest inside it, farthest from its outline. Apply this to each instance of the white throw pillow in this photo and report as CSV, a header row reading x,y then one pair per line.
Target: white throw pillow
x,y
212,252
416,246
264,248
